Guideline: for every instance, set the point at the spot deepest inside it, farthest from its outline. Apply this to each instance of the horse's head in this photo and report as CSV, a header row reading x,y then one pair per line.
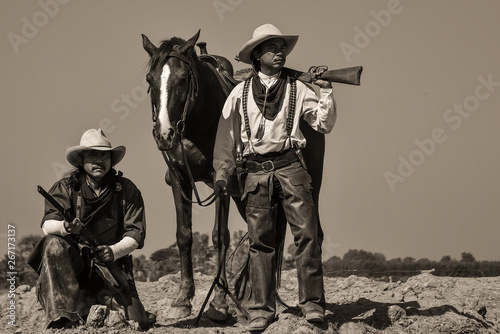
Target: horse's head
x,y
172,79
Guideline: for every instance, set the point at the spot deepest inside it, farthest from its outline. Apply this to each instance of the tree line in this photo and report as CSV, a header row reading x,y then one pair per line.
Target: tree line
x,y
375,265
355,262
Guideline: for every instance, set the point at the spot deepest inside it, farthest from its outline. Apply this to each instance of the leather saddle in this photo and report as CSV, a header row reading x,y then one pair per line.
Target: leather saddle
x,y
229,79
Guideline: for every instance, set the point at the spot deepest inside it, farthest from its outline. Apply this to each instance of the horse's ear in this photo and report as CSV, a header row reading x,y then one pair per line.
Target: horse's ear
x,y
190,43
148,46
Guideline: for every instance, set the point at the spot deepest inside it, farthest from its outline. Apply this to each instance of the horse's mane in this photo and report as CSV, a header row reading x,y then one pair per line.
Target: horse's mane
x,y
163,50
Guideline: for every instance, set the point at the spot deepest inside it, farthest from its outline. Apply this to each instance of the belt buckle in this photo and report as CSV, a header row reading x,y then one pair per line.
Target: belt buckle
x,y
267,166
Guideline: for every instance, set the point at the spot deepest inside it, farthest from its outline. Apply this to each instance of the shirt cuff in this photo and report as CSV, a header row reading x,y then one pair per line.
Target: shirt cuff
x,y
222,174
137,235
53,226
124,247
325,91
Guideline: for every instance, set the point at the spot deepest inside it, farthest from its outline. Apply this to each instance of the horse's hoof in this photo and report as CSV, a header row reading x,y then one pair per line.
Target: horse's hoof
x,y
219,313
177,312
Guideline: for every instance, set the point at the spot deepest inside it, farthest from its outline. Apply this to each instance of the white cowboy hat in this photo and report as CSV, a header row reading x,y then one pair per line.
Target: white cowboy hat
x,y
94,140
261,34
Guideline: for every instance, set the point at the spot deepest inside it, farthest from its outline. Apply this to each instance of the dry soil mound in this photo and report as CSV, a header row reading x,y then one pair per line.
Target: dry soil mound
x,y
423,304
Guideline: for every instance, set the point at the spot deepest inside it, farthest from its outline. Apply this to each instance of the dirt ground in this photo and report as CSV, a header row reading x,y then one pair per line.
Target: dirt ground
x,y
423,304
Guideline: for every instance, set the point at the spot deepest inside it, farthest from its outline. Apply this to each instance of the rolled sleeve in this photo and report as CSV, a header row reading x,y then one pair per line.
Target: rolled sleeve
x,y
56,227
227,135
124,247
320,113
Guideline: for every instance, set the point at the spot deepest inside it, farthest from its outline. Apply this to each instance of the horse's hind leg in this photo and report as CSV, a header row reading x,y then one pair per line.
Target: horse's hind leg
x,y
218,309
182,305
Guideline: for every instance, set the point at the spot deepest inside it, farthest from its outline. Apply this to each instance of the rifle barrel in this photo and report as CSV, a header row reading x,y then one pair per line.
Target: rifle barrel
x,y
67,216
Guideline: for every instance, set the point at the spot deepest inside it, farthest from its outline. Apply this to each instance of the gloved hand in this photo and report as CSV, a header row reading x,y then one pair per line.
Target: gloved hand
x,y
220,186
105,253
316,71
73,227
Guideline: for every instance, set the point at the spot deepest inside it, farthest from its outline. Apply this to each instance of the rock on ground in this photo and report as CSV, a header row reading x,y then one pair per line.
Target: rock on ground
x,y
423,304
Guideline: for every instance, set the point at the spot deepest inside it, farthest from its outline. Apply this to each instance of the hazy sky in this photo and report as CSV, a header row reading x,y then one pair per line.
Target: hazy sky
x,y
412,164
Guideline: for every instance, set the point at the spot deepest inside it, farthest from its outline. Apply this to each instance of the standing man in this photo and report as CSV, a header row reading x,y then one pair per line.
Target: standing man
x,y
260,122
73,276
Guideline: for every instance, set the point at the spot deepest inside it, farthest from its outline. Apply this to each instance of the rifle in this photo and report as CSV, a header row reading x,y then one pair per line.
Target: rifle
x,y
110,271
348,75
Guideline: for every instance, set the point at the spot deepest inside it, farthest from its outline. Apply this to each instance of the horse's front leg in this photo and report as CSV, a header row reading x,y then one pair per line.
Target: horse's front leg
x,y
218,309
183,209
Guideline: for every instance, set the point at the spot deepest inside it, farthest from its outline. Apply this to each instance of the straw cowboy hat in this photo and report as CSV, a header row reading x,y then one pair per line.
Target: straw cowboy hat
x,y
261,34
94,140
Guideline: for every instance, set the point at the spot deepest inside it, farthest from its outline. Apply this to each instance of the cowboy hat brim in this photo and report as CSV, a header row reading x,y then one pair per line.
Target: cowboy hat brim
x,y
74,157
245,54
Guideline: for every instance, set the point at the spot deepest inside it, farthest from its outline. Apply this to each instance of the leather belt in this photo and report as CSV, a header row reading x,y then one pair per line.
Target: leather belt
x,y
270,165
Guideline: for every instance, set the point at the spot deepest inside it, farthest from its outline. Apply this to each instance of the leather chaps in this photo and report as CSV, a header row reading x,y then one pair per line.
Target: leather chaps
x,y
68,285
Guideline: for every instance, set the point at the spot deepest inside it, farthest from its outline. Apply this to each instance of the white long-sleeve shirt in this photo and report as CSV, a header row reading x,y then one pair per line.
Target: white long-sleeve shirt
x,y
319,112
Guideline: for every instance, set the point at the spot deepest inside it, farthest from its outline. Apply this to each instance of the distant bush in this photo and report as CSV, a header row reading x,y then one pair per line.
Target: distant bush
x,y
24,273
366,264
354,262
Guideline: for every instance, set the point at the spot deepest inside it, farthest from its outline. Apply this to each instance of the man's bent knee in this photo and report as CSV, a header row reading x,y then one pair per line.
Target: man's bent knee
x,y
55,245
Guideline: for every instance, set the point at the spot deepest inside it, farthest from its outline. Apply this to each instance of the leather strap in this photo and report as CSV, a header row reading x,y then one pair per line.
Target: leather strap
x,y
291,109
257,164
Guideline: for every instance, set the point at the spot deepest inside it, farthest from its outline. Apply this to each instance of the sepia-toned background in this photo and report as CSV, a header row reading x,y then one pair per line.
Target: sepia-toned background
x,y
411,168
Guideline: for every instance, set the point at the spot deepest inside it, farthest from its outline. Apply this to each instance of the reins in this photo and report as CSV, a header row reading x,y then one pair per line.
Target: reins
x,y
179,130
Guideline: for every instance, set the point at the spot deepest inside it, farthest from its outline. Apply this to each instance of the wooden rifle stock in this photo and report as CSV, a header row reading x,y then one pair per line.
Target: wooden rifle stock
x,y
349,75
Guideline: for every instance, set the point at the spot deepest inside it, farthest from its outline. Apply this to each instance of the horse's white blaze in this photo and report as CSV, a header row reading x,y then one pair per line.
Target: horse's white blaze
x,y
163,112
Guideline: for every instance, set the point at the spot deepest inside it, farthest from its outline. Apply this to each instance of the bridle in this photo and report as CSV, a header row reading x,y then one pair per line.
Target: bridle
x,y
191,97
180,126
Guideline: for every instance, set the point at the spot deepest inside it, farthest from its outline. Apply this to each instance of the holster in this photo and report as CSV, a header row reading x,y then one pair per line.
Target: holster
x,y
298,153
241,171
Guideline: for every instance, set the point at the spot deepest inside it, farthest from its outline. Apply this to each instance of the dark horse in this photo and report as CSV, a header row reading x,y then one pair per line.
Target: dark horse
x,y
187,96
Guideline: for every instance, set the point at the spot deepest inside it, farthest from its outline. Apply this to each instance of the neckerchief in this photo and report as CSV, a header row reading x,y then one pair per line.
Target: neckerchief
x,y
93,205
269,102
